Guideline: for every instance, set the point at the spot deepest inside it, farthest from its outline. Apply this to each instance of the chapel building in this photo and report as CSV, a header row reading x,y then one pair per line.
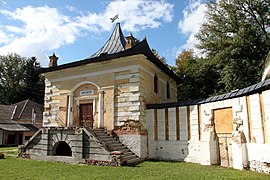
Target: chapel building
x,y
106,92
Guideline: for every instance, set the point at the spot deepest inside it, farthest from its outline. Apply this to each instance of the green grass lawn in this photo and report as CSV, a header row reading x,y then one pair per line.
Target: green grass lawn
x,y
8,148
17,168
9,151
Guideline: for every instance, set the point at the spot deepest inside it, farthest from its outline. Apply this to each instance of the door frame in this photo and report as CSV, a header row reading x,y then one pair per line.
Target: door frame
x,y
92,121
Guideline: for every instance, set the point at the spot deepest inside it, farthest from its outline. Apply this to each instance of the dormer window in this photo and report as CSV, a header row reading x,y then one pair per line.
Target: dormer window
x,y
155,84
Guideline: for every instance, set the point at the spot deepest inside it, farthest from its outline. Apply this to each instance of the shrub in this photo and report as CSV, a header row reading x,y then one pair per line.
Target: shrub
x,y
2,155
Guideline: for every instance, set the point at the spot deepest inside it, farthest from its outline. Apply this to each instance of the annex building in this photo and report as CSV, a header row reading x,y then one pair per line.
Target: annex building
x,y
119,107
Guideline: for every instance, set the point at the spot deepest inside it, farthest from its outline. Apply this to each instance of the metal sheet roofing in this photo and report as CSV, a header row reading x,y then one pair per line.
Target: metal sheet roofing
x,y
13,127
115,48
255,88
115,44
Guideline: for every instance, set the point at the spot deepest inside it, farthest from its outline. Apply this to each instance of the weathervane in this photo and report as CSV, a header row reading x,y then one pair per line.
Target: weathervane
x,y
114,18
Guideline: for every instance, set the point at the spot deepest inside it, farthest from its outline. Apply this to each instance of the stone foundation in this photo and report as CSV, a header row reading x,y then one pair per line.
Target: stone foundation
x,y
257,166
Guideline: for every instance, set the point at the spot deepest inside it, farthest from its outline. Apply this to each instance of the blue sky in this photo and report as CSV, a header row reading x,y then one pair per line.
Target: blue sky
x,y
75,30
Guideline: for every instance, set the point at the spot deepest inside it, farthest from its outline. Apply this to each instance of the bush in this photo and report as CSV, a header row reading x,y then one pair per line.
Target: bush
x,y
2,155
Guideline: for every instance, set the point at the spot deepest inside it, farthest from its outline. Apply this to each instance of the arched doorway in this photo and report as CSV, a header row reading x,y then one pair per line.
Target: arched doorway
x,y
62,149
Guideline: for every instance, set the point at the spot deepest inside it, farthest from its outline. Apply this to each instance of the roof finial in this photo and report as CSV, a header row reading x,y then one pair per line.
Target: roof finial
x,y
53,60
114,18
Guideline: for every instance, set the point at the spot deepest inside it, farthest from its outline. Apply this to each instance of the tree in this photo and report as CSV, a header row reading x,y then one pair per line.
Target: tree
x,y
18,80
199,77
161,58
11,81
34,88
236,38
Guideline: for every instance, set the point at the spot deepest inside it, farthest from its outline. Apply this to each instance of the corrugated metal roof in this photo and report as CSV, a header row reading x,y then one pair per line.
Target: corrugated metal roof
x,y
115,44
255,88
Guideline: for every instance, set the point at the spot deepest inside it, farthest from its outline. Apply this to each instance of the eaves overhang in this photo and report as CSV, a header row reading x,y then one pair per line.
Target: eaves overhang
x,y
140,48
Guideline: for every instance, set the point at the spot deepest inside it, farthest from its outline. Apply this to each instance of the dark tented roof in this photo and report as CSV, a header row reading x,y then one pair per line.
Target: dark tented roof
x,y
115,44
256,88
115,48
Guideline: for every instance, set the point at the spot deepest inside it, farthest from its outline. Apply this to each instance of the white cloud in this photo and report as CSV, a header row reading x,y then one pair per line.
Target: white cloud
x,y
189,25
4,38
138,14
44,29
3,2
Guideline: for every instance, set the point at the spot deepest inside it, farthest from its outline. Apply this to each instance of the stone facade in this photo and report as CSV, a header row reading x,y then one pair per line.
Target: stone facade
x,y
119,90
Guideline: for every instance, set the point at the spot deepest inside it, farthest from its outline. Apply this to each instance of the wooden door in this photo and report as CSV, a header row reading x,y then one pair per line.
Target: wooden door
x,y
223,128
86,115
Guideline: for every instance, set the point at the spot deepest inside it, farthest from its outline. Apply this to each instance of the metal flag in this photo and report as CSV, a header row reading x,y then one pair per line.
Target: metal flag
x,y
114,18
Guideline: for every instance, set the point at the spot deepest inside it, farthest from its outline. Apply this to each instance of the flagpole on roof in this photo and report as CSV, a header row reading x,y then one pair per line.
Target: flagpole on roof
x,y
114,18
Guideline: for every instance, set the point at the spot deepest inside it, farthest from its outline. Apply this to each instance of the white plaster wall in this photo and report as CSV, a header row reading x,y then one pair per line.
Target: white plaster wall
x,y
257,134
193,154
150,129
266,102
258,152
136,143
161,124
183,123
169,150
205,151
194,129
172,123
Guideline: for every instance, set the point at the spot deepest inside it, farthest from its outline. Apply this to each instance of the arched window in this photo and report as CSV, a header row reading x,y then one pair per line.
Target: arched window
x,y
168,90
155,84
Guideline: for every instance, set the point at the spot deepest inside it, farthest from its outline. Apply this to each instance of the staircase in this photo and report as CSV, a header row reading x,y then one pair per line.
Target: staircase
x,y
114,145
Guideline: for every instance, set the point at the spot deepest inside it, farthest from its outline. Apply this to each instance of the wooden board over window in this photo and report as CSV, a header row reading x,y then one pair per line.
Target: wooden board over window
x,y
223,120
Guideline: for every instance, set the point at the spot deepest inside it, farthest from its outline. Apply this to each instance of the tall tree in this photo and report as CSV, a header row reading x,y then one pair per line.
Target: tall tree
x,y
18,80
199,77
34,86
11,78
236,37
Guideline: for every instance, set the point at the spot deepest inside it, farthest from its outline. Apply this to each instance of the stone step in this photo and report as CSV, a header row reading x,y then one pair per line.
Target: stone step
x,y
106,137
124,150
110,139
99,132
128,153
118,148
133,161
112,142
126,158
115,144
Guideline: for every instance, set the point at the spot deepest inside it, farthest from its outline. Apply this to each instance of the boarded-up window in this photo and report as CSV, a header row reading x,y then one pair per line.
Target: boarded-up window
x,y
223,120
